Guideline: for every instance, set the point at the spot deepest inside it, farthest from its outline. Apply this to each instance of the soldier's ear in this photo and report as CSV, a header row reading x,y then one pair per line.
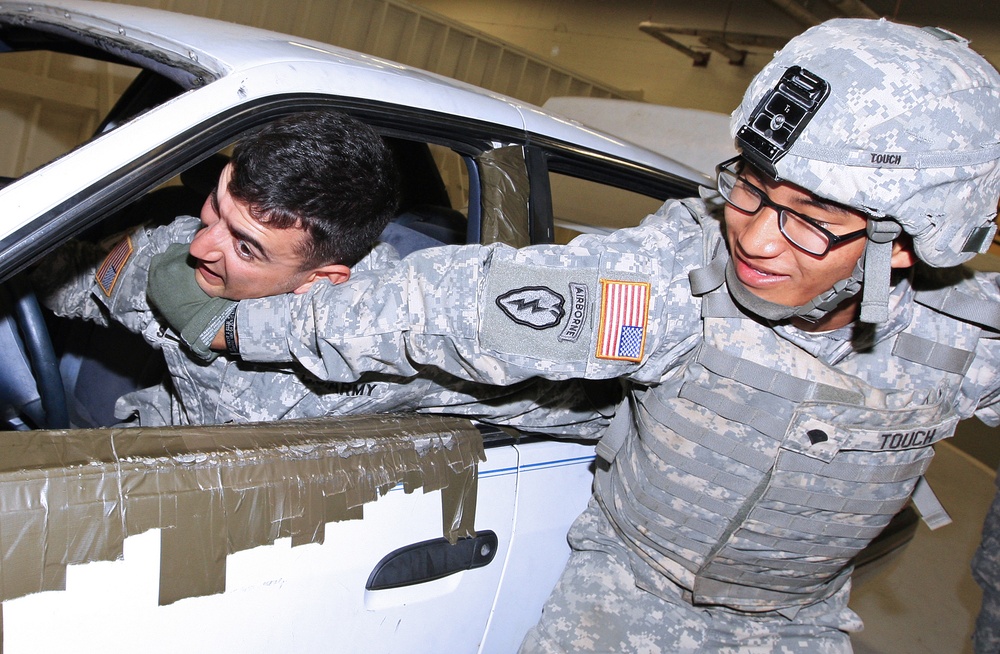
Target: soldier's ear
x,y
335,273
902,252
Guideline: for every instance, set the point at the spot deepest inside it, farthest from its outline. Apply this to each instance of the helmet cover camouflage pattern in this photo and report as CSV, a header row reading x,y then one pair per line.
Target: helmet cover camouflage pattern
x,y
910,130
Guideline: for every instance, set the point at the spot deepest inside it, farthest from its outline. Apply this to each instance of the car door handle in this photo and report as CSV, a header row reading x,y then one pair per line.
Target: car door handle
x,y
432,559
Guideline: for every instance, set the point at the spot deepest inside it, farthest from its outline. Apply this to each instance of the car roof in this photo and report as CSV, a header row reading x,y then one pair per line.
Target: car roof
x,y
206,49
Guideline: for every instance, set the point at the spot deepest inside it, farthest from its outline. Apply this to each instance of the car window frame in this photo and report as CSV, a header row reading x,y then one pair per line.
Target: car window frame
x,y
82,211
545,156
57,32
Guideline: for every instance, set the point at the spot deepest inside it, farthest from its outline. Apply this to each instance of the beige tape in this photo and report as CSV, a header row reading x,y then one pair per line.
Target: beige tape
x,y
71,497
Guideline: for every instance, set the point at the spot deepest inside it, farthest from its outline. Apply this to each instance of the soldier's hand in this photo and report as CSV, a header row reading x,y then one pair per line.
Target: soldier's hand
x,y
172,289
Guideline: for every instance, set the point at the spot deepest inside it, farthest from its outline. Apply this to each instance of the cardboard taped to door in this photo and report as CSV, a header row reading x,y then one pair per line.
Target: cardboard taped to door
x,y
70,497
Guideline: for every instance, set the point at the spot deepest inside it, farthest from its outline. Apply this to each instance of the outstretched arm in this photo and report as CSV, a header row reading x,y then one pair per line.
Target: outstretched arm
x,y
600,307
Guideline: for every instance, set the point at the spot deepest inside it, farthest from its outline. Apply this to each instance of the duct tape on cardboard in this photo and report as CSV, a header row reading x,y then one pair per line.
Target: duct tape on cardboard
x,y
69,497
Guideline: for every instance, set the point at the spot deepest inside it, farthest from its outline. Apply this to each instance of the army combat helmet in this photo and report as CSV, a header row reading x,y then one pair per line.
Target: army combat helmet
x,y
898,122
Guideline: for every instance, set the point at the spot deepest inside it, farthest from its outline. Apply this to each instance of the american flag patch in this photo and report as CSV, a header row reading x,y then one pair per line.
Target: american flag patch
x,y
107,274
624,312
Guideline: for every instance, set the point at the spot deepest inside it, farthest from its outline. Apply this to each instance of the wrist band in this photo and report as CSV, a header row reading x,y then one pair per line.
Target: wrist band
x,y
229,330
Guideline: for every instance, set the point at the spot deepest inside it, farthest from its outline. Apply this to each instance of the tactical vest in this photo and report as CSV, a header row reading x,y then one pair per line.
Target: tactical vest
x,y
754,473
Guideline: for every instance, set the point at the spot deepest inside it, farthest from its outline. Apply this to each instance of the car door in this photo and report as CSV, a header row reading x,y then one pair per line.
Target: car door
x,y
253,538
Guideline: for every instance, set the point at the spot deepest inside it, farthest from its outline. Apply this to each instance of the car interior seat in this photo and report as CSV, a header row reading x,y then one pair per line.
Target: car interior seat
x,y
425,217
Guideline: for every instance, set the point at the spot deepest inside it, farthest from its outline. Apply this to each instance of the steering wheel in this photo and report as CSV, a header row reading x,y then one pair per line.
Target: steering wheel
x,y
31,387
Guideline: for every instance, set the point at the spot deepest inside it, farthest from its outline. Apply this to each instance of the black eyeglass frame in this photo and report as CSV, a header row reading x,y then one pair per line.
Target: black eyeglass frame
x,y
832,240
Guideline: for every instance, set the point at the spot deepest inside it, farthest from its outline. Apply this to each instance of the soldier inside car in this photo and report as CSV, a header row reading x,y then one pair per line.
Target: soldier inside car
x,y
301,202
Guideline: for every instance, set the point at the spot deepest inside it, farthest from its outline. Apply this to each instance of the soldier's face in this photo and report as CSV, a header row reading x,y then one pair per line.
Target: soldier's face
x,y
773,269
240,258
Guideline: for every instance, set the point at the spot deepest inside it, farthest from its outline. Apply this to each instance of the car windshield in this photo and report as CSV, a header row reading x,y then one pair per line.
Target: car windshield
x,y
56,94
53,102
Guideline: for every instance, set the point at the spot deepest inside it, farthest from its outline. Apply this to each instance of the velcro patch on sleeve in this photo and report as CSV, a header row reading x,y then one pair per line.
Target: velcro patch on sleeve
x,y
109,271
542,312
624,316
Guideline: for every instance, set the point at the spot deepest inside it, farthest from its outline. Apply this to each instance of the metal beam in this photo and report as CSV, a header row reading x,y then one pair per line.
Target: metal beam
x,y
736,57
698,58
719,41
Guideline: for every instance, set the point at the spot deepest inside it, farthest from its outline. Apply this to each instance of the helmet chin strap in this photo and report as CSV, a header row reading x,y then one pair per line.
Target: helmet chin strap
x,y
874,265
878,270
812,311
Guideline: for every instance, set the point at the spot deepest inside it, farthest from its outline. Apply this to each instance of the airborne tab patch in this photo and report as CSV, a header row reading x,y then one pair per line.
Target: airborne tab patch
x,y
114,263
624,315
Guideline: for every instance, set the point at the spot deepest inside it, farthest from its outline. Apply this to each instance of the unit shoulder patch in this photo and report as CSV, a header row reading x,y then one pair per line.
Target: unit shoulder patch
x,y
544,313
538,307
113,264
624,315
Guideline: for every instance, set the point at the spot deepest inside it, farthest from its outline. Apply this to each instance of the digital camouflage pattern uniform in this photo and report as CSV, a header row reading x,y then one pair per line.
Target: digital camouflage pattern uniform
x,y
84,281
751,460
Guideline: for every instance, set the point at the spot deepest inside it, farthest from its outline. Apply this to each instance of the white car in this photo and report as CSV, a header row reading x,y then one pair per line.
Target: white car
x,y
246,538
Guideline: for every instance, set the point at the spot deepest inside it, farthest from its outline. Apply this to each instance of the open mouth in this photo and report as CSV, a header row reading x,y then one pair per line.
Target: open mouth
x,y
210,277
756,277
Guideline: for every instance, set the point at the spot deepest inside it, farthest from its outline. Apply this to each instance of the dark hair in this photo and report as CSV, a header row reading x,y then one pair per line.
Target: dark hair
x,y
322,171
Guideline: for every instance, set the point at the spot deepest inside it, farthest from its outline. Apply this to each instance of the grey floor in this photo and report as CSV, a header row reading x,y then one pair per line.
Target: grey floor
x,y
922,599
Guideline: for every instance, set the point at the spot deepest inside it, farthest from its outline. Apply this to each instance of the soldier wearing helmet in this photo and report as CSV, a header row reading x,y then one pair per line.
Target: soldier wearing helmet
x,y
901,132
791,346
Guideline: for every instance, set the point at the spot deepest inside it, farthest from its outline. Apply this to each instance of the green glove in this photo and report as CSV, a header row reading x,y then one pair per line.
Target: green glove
x,y
175,293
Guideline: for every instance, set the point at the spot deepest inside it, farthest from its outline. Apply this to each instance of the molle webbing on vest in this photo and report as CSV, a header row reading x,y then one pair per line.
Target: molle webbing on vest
x,y
931,353
808,573
953,302
829,550
828,547
885,474
838,503
823,528
737,484
765,415
771,381
709,439
639,525
644,493
694,496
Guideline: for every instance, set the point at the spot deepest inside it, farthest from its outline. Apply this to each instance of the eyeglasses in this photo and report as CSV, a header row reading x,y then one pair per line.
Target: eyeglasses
x,y
801,231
